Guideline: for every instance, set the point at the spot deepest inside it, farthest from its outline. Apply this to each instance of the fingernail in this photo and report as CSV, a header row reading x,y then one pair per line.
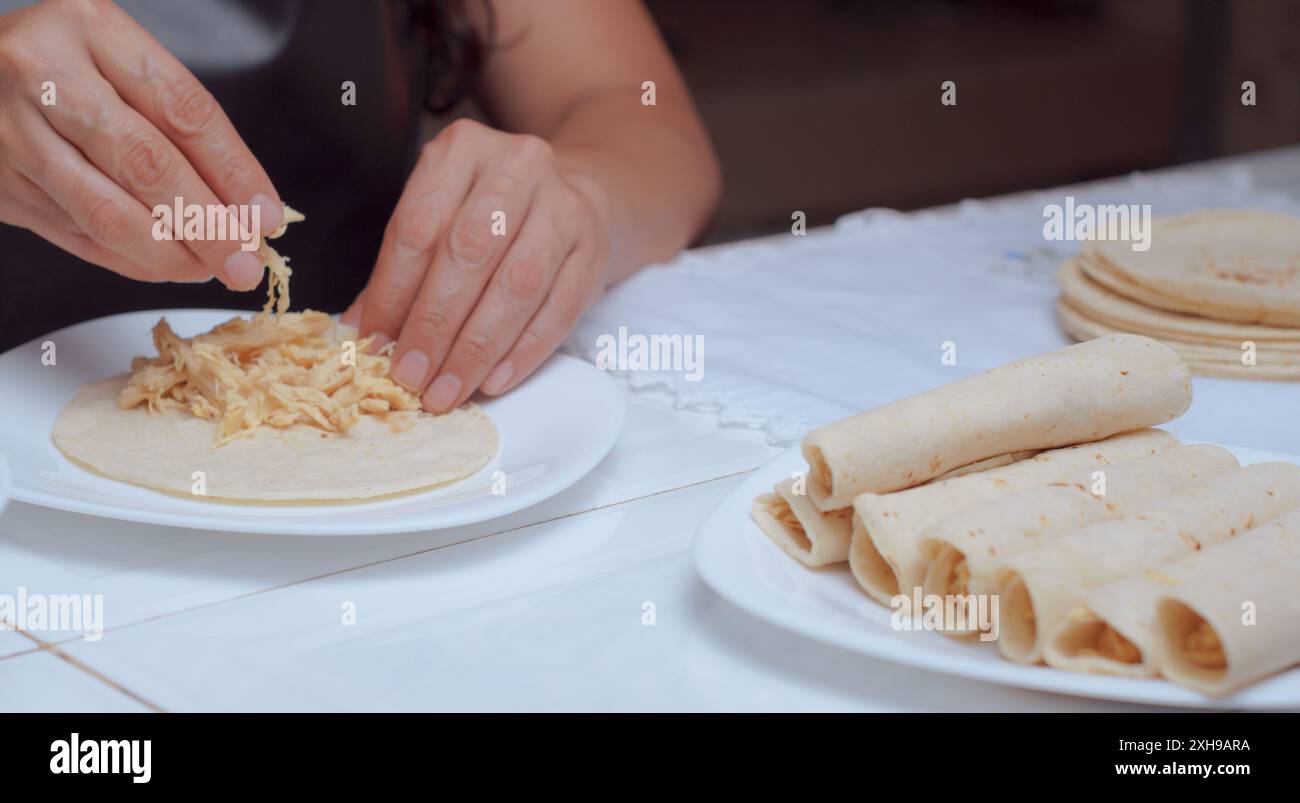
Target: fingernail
x,y
351,316
442,393
271,215
500,375
243,271
378,340
411,369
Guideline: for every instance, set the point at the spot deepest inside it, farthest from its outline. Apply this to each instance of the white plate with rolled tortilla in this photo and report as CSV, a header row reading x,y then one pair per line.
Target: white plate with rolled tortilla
x,y
545,435
748,569
1036,508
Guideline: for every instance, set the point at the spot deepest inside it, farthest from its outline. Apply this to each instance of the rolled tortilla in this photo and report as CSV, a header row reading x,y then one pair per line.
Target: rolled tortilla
x,y
1040,588
796,525
1205,640
1078,394
819,538
987,463
1117,632
966,551
885,553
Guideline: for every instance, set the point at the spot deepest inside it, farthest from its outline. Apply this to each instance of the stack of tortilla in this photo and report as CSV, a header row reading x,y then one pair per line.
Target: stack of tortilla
x,y
1110,546
1220,288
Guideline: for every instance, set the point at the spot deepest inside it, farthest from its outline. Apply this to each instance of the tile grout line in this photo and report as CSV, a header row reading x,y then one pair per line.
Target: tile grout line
x,y
561,516
6,627
359,567
20,654
40,645
53,649
101,677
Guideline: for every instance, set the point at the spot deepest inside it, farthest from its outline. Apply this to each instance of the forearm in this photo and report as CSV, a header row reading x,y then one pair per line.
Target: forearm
x,y
650,168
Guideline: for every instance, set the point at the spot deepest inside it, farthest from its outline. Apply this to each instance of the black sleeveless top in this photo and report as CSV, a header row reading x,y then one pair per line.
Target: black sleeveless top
x,y
277,69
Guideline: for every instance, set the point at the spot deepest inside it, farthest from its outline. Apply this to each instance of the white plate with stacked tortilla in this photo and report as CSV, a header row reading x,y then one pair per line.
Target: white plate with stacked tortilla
x,y
1030,526
282,422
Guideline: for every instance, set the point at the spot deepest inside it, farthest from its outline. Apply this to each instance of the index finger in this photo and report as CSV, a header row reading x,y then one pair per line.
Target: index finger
x,y
154,83
436,188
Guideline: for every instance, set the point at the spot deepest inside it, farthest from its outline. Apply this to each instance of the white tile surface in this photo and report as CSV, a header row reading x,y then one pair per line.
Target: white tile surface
x,y
289,649
40,681
145,571
549,617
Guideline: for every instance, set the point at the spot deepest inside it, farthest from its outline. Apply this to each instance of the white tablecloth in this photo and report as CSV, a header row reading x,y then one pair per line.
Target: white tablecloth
x,y
802,330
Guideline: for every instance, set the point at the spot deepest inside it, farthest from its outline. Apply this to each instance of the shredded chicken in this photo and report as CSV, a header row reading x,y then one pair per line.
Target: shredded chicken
x,y
277,267
1203,648
277,369
785,516
1112,644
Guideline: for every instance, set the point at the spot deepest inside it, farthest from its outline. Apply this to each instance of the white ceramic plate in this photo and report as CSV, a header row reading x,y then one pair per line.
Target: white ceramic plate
x,y
744,566
554,429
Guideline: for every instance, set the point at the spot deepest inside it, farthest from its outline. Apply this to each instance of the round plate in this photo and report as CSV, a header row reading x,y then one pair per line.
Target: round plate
x,y
554,428
745,567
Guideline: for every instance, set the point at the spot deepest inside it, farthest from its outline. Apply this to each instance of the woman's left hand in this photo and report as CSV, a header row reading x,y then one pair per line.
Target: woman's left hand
x,y
494,250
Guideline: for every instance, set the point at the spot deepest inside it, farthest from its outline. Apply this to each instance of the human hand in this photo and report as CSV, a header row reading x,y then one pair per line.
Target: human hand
x,y
495,249
129,128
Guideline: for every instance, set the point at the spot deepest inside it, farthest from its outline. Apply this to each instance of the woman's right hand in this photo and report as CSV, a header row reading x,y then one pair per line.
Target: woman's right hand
x,y
129,128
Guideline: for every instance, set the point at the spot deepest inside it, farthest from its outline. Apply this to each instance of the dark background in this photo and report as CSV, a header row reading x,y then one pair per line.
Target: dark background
x,y
828,106
820,106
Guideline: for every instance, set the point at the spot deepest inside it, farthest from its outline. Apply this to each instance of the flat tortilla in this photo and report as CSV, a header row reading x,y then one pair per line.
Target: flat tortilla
x,y
1226,265
1105,306
1273,362
381,455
